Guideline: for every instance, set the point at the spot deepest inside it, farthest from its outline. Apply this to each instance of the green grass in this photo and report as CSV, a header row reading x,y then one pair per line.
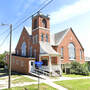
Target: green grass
x,y
33,87
81,84
3,78
68,75
2,72
54,77
19,78
73,75
22,79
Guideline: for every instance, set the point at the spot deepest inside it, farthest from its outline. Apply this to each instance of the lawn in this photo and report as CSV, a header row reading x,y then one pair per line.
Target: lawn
x,y
68,75
19,78
22,79
81,84
33,87
73,75
2,72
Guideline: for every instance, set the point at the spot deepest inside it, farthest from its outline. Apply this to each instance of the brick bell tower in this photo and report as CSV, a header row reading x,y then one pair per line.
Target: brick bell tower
x,y
41,27
40,32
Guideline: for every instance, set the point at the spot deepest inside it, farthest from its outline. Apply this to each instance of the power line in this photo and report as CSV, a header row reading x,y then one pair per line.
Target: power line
x,y
32,14
4,32
4,40
33,11
26,20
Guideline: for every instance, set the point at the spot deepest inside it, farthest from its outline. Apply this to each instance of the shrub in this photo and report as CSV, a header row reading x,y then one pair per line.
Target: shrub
x,y
88,66
2,63
77,68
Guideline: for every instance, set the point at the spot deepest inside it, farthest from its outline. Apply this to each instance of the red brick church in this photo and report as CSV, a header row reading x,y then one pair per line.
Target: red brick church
x,y
37,44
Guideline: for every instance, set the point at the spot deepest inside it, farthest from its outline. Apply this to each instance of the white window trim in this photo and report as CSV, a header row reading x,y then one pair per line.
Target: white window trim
x,y
62,52
36,38
23,49
46,38
17,52
74,52
30,51
34,52
72,59
41,37
80,54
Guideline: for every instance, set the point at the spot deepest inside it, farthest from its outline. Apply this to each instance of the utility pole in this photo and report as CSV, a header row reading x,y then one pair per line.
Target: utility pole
x,y
9,78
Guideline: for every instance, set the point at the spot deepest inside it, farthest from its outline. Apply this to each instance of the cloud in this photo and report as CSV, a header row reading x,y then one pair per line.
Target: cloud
x,y
69,11
41,1
24,7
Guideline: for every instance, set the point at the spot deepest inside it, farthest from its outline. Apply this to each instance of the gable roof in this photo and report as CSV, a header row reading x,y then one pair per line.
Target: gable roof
x,y
77,38
58,37
29,30
46,48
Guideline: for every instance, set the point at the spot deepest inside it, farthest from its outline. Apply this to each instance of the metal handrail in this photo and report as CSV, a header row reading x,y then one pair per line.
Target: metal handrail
x,y
42,71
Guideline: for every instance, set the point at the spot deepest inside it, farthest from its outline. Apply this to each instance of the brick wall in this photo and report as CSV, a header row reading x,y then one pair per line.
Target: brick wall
x,y
20,64
70,38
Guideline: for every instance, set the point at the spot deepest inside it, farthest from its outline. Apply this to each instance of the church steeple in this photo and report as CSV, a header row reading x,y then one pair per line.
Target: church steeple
x,y
40,20
41,27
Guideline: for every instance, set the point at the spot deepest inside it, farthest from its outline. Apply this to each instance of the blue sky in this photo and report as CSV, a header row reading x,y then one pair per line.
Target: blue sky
x,y
63,14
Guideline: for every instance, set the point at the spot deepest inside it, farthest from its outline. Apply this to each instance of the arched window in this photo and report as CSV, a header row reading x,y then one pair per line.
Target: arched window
x,y
72,52
34,52
42,37
31,51
36,40
17,52
23,48
80,54
62,53
46,37
35,23
44,23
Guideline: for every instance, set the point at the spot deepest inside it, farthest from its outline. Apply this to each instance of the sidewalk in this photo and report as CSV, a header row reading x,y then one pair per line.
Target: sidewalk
x,y
47,80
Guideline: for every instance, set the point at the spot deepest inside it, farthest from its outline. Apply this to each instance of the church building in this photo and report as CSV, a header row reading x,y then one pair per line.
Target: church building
x,y
38,44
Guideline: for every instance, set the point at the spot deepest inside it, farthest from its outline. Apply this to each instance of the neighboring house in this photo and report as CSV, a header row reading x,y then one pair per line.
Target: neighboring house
x,y
37,44
87,60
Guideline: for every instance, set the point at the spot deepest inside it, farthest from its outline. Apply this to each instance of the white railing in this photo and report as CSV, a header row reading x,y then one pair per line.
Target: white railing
x,y
55,67
45,68
40,71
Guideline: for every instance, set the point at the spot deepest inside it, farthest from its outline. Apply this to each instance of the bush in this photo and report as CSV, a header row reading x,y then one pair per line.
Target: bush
x,y
88,66
2,63
77,68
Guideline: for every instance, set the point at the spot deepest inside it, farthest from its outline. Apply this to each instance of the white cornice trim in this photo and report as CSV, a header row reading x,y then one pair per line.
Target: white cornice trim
x,y
39,28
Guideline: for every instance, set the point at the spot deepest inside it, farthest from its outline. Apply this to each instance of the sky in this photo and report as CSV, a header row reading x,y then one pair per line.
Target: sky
x,y
63,14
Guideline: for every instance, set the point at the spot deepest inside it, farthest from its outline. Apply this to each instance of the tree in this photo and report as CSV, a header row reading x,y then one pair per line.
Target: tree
x,y
2,57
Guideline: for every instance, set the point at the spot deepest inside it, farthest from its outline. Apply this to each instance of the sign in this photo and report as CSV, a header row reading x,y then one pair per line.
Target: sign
x,y
39,63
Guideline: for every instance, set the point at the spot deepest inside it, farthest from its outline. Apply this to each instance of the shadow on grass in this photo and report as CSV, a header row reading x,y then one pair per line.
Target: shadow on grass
x,y
4,73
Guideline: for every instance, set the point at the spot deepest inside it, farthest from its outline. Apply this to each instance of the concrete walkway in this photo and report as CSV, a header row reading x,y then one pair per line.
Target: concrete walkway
x,y
47,80
58,87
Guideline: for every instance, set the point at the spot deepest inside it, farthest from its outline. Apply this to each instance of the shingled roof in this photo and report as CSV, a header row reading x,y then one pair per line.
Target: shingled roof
x,y
29,30
46,48
58,36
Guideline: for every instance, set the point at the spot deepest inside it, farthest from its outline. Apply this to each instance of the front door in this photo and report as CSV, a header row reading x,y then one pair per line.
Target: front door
x,y
32,65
